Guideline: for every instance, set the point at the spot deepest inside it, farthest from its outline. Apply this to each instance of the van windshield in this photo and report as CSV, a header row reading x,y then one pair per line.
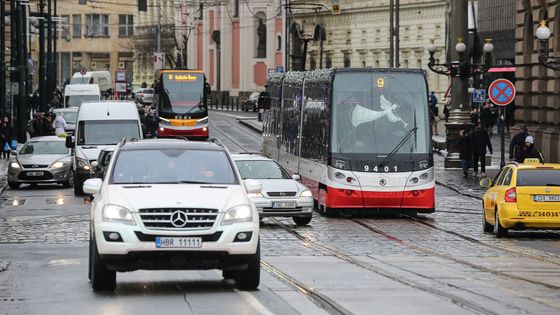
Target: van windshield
x,y
81,80
98,132
76,100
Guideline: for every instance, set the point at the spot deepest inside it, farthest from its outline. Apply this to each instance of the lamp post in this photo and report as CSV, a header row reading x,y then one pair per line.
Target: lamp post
x,y
460,71
543,34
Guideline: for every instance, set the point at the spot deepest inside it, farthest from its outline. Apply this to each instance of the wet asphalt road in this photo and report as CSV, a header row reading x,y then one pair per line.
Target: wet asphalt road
x,y
438,264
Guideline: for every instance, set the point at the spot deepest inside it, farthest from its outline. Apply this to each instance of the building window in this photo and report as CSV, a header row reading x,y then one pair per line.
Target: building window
x,y
420,32
312,64
65,27
377,64
278,43
260,31
126,28
97,25
346,60
328,62
82,1
77,25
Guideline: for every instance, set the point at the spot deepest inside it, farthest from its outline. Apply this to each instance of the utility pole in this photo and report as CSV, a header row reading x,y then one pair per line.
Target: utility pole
x,y
397,35
55,57
42,64
391,33
158,29
49,50
2,56
286,36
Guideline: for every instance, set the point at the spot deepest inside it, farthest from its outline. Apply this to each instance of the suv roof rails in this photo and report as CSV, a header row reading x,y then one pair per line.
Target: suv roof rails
x,y
216,141
255,153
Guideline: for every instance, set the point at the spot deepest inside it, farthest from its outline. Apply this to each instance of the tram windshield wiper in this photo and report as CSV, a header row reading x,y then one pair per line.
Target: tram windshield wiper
x,y
399,145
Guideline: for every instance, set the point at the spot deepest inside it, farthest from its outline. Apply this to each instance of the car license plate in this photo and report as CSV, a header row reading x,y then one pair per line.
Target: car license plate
x,y
546,198
178,242
35,173
283,204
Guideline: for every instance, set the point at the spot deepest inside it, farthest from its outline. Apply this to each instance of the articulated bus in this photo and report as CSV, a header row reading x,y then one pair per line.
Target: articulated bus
x,y
181,104
359,138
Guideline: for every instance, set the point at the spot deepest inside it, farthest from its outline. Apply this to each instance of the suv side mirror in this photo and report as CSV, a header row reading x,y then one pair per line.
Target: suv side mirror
x,y
296,176
253,186
69,142
92,186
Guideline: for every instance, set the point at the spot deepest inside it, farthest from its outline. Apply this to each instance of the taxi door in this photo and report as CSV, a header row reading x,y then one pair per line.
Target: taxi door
x,y
494,194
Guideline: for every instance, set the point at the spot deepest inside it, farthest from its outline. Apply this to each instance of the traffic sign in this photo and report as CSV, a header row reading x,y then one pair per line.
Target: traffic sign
x,y
501,92
479,96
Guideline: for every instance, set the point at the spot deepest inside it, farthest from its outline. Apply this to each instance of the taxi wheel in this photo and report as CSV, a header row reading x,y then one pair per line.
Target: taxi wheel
x,y
498,229
486,227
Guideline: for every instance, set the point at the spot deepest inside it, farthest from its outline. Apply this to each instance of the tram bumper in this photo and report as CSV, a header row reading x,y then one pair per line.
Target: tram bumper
x,y
171,131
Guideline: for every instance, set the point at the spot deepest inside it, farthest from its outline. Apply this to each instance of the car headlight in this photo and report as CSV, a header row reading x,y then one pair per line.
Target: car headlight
x,y
202,121
57,164
238,214
254,195
114,213
83,164
15,165
306,193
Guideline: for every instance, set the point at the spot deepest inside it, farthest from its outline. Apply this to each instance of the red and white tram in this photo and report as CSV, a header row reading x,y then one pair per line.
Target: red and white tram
x,y
359,138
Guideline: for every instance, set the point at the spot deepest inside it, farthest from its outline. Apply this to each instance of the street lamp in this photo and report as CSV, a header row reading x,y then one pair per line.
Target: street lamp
x,y
543,34
461,68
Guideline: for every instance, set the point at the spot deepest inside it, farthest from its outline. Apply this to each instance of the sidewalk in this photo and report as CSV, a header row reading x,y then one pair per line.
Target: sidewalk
x,y
450,178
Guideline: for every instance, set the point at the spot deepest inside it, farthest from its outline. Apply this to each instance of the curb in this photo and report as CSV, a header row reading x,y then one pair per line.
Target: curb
x,y
457,190
242,121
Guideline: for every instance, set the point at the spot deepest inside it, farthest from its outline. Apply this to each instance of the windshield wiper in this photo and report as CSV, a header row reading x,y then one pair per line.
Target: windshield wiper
x,y
193,182
399,145
138,186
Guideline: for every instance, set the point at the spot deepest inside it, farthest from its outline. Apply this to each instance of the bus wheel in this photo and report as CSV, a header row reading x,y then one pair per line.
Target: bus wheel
x,y
323,197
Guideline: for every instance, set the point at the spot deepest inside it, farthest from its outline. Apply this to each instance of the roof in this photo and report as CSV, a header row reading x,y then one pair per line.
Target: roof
x,y
65,109
162,144
94,110
250,157
81,87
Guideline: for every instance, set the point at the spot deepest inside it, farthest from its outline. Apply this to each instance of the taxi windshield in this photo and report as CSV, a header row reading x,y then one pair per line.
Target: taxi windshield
x,y
538,177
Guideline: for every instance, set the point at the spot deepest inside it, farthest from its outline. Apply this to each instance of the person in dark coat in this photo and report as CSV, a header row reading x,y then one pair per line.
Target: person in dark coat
x,y
36,126
152,123
530,151
6,135
480,141
487,118
474,115
446,111
517,144
465,151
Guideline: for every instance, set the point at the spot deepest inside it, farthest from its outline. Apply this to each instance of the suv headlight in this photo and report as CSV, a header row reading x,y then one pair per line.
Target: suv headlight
x,y
306,193
58,164
83,164
15,165
114,213
238,214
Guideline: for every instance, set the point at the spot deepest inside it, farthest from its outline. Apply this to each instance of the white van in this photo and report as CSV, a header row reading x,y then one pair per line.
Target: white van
x,y
100,125
75,94
101,78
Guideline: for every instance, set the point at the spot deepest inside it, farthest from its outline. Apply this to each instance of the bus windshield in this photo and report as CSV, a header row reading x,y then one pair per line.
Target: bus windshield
x,y
183,93
380,112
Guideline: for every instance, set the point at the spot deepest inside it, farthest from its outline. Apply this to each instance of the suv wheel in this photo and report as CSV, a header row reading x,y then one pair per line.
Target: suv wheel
x,y
101,278
249,279
302,220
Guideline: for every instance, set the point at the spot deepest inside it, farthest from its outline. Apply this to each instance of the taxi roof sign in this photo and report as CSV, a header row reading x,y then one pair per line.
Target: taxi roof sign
x,y
532,161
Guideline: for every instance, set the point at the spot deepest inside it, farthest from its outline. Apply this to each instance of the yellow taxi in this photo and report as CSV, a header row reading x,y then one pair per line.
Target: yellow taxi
x,y
522,196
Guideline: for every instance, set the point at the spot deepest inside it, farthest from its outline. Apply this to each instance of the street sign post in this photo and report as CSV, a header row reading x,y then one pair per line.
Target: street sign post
x,y
502,92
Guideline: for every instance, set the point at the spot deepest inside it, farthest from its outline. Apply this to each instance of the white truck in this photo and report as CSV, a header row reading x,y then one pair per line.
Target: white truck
x,y
101,78
75,94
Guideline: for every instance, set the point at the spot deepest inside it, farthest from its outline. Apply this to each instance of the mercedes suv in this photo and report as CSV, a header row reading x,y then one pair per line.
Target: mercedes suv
x,y
173,204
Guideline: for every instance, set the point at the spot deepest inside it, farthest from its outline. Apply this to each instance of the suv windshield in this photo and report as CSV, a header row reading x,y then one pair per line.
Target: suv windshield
x,y
44,147
542,177
261,170
93,132
172,166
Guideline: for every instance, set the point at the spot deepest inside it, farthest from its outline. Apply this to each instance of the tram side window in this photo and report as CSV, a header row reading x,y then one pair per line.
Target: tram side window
x,y
290,119
314,132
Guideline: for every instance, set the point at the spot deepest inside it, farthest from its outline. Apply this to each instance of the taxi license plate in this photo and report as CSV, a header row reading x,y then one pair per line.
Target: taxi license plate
x,y
283,204
546,198
178,242
35,173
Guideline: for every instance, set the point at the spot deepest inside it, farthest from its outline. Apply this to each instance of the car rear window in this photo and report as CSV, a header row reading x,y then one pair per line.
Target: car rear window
x,y
538,177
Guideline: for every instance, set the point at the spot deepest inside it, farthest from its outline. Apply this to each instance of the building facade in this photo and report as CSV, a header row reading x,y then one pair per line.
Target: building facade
x,y
96,36
537,101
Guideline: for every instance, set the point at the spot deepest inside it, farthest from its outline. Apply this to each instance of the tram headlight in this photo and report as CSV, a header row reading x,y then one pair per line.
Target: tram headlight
x,y
202,121
424,176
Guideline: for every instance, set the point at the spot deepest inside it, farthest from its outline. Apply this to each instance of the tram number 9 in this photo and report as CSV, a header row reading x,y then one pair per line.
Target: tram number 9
x,y
380,82
384,169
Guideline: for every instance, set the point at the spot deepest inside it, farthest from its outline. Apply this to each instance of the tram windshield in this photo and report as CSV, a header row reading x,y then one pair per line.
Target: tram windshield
x,y
380,112
183,93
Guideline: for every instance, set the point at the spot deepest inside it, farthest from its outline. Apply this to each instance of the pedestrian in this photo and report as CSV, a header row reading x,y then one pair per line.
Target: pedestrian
x,y
465,151
530,151
474,115
46,125
35,101
487,117
517,144
59,125
446,111
152,123
480,141
6,135
432,101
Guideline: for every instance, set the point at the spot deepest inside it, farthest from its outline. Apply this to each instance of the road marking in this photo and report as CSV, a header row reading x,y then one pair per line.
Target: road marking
x,y
63,262
258,306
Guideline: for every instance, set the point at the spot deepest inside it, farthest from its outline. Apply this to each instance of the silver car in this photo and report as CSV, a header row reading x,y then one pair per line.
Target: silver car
x,y
145,96
282,195
41,160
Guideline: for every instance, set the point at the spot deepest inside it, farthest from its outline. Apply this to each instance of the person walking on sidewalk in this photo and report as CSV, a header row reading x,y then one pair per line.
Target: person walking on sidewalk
x,y
6,135
480,141
517,144
530,151
446,111
465,151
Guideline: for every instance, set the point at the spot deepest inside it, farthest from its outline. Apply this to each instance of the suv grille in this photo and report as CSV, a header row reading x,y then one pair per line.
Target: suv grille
x,y
281,193
178,218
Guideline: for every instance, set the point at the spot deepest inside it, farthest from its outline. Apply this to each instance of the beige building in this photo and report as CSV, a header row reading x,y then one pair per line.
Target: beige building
x,y
358,36
97,36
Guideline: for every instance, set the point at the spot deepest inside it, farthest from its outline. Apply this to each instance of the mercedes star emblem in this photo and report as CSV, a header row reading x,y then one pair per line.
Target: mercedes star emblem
x,y
282,194
179,219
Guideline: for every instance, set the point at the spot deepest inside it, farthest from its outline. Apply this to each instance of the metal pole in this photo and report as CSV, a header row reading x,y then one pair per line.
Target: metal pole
x,y
55,57
502,137
13,56
42,64
20,126
2,57
391,34
286,36
159,29
49,50
397,36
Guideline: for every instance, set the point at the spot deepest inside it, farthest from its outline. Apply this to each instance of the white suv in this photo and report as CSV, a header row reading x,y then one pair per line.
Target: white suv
x,y
173,204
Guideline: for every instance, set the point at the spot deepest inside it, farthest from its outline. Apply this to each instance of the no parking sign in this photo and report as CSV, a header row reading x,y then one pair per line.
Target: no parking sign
x,y
501,92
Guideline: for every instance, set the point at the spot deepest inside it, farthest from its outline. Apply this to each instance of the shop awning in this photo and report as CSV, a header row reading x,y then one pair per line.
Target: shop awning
x,y
502,69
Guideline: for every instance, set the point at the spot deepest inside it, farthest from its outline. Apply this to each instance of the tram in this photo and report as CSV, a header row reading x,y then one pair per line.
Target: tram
x,y
359,138
181,103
